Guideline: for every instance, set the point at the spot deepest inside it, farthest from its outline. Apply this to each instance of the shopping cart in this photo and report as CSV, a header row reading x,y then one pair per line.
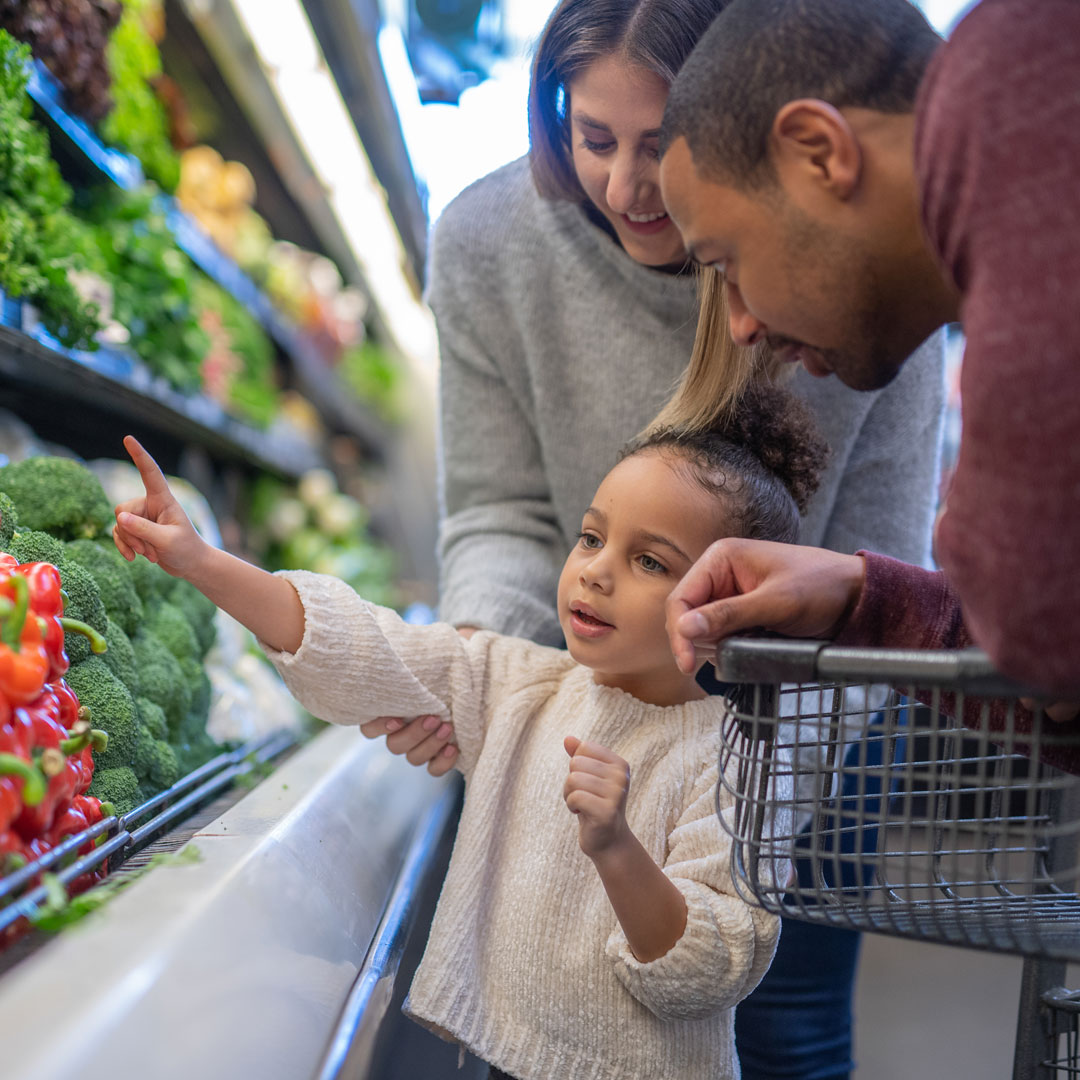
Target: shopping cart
x,y
914,792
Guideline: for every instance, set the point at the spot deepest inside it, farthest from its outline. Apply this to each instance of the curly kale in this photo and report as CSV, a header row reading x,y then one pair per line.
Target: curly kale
x,y
120,786
58,496
111,708
112,575
9,520
41,242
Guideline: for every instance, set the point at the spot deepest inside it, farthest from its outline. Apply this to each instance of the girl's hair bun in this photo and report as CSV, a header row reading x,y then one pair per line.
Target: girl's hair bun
x,y
763,459
778,429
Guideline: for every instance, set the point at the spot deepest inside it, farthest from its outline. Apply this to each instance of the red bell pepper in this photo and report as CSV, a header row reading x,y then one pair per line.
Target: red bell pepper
x,y
24,664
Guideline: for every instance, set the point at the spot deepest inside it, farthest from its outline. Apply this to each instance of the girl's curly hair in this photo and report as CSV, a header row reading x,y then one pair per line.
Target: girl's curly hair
x,y
763,460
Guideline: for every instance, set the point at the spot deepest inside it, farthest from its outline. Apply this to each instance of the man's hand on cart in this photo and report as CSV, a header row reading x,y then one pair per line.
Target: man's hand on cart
x,y
1061,712
756,584
424,740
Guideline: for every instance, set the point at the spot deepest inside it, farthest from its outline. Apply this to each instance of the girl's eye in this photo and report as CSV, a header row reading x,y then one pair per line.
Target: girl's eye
x,y
654,566
596,147
589,540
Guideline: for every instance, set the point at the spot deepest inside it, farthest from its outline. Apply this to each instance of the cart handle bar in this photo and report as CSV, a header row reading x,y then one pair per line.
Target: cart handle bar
x,y
776,660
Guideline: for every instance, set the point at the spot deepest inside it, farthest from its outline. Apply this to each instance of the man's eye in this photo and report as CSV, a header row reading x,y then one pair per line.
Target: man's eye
x,y
588,540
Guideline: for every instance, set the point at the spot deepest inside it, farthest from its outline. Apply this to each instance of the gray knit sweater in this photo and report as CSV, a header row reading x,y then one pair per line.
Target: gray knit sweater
x,y
556,349
526,963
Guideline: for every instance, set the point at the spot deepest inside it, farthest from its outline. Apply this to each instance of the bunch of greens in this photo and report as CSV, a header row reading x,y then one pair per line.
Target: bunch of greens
x,y
370,372
316,527
251,391
153,281
40,240
138,122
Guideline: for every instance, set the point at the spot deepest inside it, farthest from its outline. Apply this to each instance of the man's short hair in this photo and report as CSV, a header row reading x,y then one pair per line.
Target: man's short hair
x,y
760,54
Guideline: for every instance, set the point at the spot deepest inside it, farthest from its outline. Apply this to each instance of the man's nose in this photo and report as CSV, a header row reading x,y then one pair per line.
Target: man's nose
x,y
746,329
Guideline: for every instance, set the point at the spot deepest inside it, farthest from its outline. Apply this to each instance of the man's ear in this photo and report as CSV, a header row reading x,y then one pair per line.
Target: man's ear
x,y
812,142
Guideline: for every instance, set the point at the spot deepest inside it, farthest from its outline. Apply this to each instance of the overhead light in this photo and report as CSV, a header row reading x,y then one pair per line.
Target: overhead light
x,y
294,65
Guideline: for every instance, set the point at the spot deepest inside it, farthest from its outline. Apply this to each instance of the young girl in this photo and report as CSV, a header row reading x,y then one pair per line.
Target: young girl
x,y
616,949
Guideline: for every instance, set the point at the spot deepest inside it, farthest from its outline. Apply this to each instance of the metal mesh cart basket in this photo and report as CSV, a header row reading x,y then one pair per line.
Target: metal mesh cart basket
x,y
910,793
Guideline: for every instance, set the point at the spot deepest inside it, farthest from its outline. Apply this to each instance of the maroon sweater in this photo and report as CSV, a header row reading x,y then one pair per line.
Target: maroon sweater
x,y
997,152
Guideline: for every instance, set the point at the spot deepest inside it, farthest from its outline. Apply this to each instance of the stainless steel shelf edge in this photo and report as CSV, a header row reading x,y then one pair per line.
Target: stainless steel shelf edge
x,y
239,965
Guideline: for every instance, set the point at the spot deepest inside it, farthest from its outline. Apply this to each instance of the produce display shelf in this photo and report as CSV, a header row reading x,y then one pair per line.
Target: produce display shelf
x,y
123,836
119,386
316,377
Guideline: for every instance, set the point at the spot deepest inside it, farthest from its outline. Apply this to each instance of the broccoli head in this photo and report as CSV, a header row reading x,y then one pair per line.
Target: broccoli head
x,y
9,519
30,545
111,709
112,575
120,786
119,657
82,601
198,611
161,678
199,682
155,761
151,582
193,746
57,495
152,717
167,623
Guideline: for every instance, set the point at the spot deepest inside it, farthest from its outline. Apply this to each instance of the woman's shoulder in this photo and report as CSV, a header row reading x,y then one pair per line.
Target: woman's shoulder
x,y
495,213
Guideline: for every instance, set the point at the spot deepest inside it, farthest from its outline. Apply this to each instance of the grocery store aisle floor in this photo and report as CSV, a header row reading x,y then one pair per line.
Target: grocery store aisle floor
x,y
934,1012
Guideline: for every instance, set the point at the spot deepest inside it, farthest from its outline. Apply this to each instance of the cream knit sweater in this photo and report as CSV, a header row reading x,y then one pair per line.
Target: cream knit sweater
x,y
526,964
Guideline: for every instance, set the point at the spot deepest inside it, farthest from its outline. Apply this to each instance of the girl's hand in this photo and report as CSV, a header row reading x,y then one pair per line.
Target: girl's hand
x,y
596,791
155,525
422,739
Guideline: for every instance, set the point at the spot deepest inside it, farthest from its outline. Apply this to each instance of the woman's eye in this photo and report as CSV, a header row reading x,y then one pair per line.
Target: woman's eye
x,y
654,566
588,540
596,147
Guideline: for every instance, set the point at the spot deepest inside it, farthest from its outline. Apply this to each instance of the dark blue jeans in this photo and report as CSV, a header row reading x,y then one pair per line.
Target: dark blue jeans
x,y
797,1025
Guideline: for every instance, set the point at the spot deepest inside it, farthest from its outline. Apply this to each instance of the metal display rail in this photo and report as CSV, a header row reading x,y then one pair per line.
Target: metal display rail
x,y
122,836
912,794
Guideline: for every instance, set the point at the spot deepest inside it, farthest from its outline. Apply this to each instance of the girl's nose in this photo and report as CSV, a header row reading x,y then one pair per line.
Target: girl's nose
x,y
746,329
595,573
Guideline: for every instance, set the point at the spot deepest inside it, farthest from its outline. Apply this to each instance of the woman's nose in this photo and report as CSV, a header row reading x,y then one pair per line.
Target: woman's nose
x,y
628,184
746,329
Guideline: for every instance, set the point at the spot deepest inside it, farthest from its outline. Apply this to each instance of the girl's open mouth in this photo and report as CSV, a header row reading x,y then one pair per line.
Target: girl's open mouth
x,y
586,623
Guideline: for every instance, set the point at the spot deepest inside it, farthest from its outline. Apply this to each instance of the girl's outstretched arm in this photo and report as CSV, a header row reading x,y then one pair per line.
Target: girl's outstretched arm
x,y
156,527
